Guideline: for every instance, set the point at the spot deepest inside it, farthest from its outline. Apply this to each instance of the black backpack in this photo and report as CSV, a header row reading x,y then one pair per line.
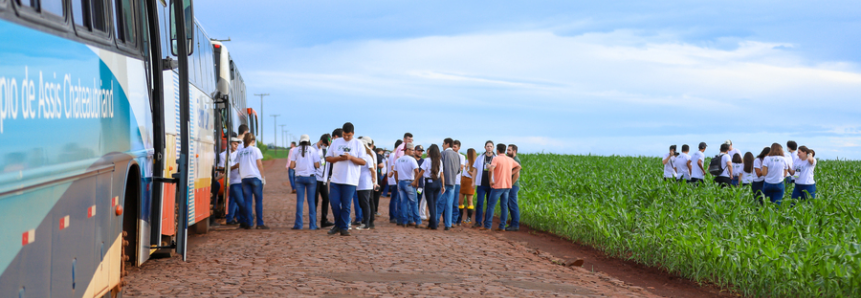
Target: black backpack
x,y
715,166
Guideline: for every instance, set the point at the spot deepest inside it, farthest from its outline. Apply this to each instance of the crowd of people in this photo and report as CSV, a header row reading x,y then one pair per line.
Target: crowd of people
x,y
768,174
343,170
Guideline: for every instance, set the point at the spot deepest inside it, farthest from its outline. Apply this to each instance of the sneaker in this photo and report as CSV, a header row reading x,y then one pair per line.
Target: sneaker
x,y
356,223
377,214
326,224
244,226
372,227
262,227
512,229
361,227
345,233
468,220
232,223
334,231
477,225
447,228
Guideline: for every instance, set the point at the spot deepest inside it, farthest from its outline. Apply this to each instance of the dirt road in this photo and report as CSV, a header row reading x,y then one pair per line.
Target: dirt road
x,y
385,262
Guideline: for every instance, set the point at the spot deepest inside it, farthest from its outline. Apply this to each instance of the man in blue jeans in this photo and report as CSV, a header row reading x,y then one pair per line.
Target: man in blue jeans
x,y
235,202
346,155
455,204
451,168
513,207
406,170
482,182
501,170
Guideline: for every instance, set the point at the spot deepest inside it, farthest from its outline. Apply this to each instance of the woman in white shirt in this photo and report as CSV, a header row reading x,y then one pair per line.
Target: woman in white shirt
x,y
367,186
737,166
805,186
774,167
759,178
251,170
304,163
668,159
746,170
431,172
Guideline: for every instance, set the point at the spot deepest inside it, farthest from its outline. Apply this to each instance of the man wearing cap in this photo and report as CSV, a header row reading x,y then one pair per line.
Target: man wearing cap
x,y
696,164
732,151
423,208
235,210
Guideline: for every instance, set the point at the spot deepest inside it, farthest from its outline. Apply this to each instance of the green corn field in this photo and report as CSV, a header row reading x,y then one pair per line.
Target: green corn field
x,y
622,206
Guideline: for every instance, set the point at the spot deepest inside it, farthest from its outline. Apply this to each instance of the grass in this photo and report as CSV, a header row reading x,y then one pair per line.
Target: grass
x,y
272,153
621,206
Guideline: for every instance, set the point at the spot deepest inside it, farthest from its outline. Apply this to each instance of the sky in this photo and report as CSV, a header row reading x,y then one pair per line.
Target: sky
x,y
569,77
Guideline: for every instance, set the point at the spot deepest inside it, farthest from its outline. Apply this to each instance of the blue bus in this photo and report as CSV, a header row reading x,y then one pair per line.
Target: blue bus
x,y
108,139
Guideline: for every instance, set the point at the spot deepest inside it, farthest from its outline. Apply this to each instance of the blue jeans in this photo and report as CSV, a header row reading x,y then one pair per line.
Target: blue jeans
x,y
237,210
291,173
513,207
307,187
394,204
773,192
735,181
756,188
455,202
357,207
409,208
482,193
253,186
443,206
433,197
501,195
340,196
799,191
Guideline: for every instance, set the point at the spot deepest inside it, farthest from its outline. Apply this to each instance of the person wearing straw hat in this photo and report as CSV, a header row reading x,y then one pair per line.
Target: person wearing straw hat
x,y
305,162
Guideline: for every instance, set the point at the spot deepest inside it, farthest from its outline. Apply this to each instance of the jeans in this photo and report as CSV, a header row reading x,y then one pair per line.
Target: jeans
x,y
367,204
358,207
291,173
341,197
482,193
723,181
306,187
444,206
409,208
756,188
237,210
773,192
799,191
500,194
432,195
253,186
513,207
376,199
735,180
394,204
322,192
455,202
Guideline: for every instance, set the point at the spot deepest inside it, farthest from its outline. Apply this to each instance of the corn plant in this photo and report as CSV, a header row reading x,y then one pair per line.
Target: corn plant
x,y
622,206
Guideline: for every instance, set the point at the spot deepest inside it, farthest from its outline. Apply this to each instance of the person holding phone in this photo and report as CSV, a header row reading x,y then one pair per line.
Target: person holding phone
x,y
669,170
367,186
346,156
805,185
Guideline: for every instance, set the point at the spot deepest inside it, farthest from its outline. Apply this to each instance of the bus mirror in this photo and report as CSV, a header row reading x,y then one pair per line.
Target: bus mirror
x,y
223,87
189,26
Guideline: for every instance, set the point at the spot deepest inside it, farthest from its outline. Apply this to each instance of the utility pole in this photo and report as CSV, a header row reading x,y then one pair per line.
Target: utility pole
x,y
282,136
261,114
275,128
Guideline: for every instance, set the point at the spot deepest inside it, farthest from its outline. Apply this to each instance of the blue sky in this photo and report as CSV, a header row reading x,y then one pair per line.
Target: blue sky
x,y
626,78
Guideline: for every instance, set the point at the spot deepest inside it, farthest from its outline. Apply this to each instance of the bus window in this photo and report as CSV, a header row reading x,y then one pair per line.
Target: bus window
x,y
78,12
189,26
90,14
124,19
53,6
97,14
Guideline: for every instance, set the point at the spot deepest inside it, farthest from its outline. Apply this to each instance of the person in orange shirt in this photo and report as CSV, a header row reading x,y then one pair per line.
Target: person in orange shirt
x,y
501,170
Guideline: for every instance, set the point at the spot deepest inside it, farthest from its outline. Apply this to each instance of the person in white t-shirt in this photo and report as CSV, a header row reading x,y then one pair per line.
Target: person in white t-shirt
x,y
759,178
394,201
680,164
669,170
791,155
456,217
321,174
367,185
696,164
236,205
737,166
253,178
747,171
431,170
405,171
774,168
732,150
304,161
805,185
725,177
290,172
347,156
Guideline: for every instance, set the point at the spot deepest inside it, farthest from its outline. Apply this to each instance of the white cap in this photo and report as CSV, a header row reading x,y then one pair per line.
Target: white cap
x,y
367,141
728,142
236,140
304,138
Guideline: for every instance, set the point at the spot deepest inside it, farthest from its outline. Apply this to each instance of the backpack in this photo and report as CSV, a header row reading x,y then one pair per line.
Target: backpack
x,y
715,166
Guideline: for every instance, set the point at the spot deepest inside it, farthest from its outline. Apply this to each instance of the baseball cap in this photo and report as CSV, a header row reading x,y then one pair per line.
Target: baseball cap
x,y
703,145
235,140
419,148
366,141
304,138
728,142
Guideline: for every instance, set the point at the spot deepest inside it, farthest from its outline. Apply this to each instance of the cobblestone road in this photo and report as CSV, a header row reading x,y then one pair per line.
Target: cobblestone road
x,y
388,261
